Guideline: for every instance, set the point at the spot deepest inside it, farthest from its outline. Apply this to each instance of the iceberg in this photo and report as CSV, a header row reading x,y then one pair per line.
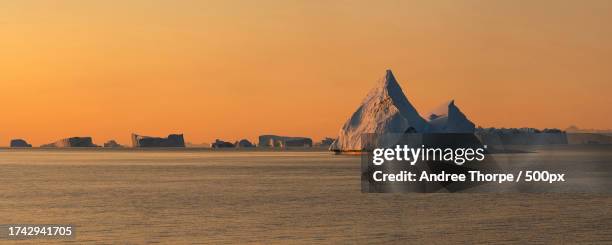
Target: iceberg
x,y
19,143
112,144
386,114
244,143
173,140
283,141
72,142
384,111
222,144
447,118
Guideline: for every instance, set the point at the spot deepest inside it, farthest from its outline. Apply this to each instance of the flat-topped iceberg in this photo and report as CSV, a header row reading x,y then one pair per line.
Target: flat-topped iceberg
x,y
173,140
72,142
284,141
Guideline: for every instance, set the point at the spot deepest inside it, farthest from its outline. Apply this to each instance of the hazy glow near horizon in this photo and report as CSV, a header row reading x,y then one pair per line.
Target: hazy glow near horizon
x,y
238,69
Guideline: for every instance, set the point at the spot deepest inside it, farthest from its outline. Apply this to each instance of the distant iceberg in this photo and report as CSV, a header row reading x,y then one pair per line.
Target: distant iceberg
x,y
244,143
112,144
222,144
72,142
284,141
325,142
173,140
19,143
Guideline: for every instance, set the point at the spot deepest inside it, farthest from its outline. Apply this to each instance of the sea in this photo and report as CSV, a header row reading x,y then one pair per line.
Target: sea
x,y
202,196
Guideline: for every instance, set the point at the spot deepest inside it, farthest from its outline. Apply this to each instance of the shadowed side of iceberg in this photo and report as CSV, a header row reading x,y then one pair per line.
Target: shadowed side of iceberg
x,y
72,142
173,140
448,118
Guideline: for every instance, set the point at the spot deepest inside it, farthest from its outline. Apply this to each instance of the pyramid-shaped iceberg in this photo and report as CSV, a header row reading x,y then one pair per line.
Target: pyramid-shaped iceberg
x,y
387,111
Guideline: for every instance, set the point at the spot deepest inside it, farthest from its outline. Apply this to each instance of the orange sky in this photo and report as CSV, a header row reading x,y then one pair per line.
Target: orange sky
x,y
234,69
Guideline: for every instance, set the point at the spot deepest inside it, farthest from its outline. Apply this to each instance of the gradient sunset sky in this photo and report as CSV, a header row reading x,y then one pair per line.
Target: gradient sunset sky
x,y
238,69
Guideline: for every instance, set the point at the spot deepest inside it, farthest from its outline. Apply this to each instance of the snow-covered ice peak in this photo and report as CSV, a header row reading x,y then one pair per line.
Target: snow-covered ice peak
x,y
385,110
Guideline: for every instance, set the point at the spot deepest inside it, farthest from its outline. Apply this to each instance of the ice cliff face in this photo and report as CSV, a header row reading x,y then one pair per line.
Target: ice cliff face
x,y
385,110
447,118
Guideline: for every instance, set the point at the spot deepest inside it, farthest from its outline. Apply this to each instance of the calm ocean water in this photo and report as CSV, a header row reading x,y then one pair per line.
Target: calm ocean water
x,y
189,196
